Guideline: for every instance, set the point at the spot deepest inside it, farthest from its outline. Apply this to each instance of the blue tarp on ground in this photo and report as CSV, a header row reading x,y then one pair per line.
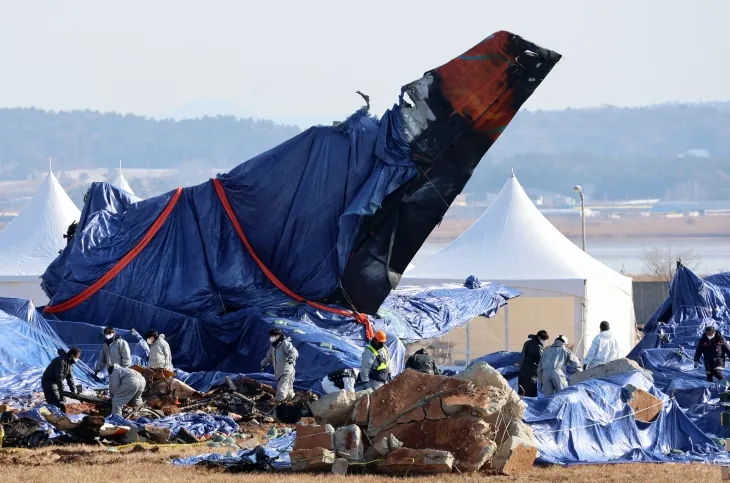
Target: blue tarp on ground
x,y
670,340
27,346
590,423
197,423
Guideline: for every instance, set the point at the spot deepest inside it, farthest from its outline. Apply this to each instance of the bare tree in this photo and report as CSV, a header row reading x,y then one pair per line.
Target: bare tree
x,y
662,262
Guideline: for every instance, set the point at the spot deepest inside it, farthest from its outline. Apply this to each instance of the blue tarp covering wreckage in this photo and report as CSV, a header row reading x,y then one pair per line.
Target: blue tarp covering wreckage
x,y
333,216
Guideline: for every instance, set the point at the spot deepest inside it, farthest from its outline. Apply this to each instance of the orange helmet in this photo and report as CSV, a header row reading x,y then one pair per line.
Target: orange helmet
x,y
380,336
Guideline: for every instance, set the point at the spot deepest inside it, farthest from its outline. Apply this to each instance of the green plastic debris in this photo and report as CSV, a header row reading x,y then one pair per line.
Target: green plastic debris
x,y
218,438
326,345
281,322
299,331
677,451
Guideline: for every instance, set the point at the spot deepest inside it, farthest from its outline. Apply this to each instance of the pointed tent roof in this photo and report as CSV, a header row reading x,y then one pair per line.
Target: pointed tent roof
x,y
120,182
31,241
512,241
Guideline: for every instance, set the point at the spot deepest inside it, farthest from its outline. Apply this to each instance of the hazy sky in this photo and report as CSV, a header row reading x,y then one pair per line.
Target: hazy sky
x,y
306,58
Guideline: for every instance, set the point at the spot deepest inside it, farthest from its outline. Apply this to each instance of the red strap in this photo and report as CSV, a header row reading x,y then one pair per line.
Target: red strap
x,y
360,318
119,266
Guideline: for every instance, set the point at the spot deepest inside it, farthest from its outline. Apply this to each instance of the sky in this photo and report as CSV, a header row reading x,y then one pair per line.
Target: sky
x,y
297,61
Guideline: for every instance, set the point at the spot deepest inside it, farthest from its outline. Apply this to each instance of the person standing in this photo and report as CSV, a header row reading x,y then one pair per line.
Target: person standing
x,y
605,348
160,355
375,363
529,362
283,355
553,364
58,370
114,352
713,348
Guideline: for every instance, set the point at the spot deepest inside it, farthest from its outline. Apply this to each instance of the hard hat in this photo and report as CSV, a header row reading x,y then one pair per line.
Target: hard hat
x,y
380,336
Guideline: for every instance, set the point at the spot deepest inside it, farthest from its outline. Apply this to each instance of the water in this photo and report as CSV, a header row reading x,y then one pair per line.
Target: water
x,y
625,255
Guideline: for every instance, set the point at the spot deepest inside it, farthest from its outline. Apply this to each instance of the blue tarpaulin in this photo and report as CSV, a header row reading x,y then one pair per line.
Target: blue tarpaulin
x,y
590,423
27,346
197,423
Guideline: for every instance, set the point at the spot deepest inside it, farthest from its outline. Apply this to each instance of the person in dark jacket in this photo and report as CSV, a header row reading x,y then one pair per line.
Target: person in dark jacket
x,y
422,362
57,371
529,361
713,348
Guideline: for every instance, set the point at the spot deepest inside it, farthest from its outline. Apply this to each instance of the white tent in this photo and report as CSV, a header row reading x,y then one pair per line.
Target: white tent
x,y
120,182
31,241
565,290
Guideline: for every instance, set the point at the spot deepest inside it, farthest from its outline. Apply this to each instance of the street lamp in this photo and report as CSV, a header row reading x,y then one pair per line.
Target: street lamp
x,y
579,189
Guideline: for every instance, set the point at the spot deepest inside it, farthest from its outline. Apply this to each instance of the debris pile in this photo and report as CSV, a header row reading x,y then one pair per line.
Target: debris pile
x,y
419,424
613,368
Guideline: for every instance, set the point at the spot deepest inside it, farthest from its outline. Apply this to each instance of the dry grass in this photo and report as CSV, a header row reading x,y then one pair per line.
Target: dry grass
x,y
84,464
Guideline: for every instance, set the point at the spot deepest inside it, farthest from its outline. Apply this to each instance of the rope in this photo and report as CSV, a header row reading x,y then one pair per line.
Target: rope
x,y
121,264
359,317
633,413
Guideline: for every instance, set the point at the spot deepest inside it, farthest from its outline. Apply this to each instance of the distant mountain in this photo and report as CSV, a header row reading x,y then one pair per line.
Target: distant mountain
x,y
88,139
660,130
213,108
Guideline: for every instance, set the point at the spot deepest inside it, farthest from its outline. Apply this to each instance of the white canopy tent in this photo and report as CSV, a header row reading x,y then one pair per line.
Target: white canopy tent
x,y
565,290
120,182
32,240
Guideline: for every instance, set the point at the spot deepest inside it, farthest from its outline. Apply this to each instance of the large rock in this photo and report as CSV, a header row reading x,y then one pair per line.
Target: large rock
x,y
417,461
613,368
348,442
335,408
407,391
467,438
339,467
311,436
387,444
645,405
488,402
518,451
361,411
482,374
318,459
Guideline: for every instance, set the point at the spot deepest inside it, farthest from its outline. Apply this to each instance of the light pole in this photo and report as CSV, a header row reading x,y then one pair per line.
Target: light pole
x,y
579,189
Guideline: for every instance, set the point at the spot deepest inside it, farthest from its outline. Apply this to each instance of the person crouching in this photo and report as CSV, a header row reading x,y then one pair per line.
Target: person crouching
x,y
125,387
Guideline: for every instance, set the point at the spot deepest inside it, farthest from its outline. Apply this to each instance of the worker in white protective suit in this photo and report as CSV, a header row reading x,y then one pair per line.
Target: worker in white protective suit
x,y
160,355
125,387
115,351
553,363
283,356
605,348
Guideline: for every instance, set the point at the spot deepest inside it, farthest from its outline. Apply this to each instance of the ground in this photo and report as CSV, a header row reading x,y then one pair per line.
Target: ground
x,y
82,464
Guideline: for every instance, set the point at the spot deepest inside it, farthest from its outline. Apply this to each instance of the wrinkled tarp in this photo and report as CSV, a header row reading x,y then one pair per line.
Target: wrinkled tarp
x,y
504,362
590,423
670,340
27,346
199,424
415,313
204,381
276,448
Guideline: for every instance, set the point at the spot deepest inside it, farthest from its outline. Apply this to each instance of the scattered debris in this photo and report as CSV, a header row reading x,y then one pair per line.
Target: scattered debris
x,y
317,459
646,406
613,368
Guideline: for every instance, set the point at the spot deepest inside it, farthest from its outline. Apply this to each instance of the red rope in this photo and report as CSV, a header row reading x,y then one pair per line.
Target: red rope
x,y
360,318
119,266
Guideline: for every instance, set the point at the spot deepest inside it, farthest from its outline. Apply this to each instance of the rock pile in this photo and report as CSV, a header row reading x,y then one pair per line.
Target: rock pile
x,y
419,424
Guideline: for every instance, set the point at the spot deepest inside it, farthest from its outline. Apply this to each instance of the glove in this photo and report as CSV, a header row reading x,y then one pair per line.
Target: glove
x,y
98,374
134,331
263,368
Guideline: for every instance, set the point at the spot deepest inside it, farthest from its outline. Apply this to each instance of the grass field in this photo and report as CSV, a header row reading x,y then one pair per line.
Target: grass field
x,y
86,464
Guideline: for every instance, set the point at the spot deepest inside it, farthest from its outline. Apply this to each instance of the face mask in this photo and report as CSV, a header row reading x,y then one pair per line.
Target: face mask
x,y
73,360
108,336
273,339
150,341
